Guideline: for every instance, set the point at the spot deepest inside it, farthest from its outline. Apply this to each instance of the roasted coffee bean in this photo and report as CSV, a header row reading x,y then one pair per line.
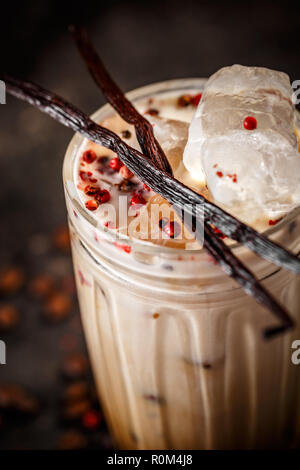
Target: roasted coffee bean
x,y
58,306
61,238
11,279
72,440
76,391
75,366
17,398
9,317
41,286
75,410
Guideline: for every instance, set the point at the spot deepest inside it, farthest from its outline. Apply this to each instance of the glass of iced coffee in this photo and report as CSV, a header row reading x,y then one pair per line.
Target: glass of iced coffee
x,y
176,346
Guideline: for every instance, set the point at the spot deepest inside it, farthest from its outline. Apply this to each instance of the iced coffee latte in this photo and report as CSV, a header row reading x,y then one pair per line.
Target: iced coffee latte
x,y
176,346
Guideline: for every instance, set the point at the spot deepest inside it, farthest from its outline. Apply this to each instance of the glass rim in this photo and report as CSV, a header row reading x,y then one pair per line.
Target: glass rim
x,y
105,111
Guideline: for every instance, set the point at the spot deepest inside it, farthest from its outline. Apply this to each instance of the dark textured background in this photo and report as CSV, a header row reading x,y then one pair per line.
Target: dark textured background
x,y
141,42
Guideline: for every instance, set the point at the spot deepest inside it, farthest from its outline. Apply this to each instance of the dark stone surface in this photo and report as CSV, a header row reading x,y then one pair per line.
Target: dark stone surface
x,y
141,43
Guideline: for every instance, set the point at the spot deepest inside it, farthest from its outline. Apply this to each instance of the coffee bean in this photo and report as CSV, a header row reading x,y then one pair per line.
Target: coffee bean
x,y
61,238
58,306
75,366
9,317
72,440
76,391
11,279
41,286
17,398
74,411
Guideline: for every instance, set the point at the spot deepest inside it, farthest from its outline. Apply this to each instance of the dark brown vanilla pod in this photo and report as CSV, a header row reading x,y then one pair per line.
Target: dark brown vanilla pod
x,y
118,100
162,183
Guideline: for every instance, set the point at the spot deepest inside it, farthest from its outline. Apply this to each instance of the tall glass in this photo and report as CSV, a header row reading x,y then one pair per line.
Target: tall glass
x,y
176,347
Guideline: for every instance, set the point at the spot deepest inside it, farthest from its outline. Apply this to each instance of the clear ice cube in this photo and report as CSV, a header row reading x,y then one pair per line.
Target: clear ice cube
x,y
172,136
247,171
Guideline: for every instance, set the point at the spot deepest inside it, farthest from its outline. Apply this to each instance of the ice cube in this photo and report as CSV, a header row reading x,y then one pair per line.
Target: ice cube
x,y
172,136
247,171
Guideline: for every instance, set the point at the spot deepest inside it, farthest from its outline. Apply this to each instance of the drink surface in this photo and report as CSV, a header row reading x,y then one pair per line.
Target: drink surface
x,y
170,115
123,205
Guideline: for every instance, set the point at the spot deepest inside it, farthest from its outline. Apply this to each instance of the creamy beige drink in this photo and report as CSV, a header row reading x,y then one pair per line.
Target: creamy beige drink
x,y
176,346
